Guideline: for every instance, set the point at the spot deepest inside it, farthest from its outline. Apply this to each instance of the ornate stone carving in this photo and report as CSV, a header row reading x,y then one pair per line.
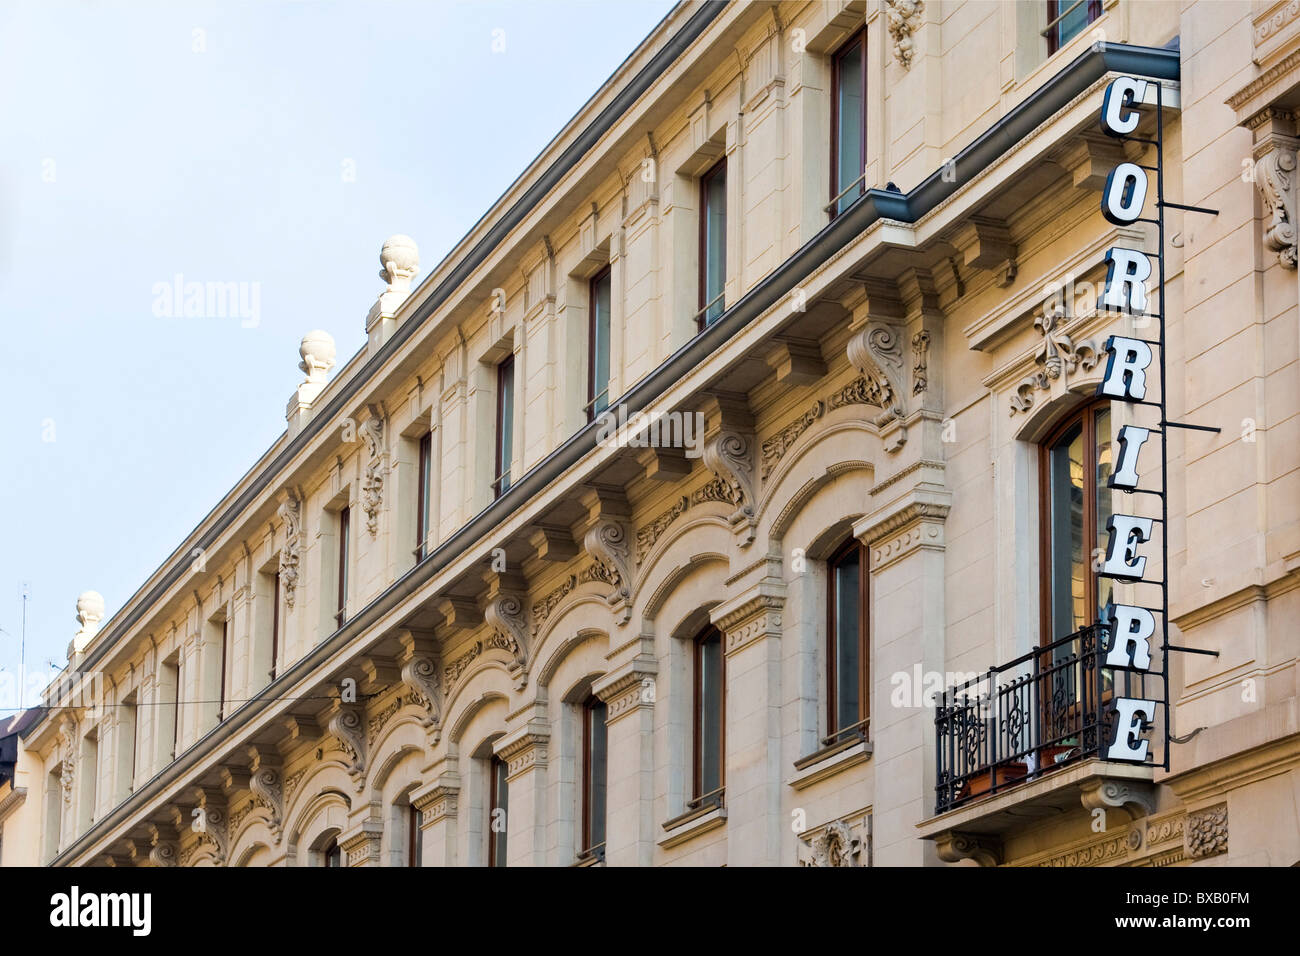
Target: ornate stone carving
x,y
861,391
290,512
775,447
1058,357
1206,832
728,455
268,791
606,541
372,480
904,19
1275,177
833,846
346,727
509,623
291,784
920,361
211,827
953,847
1134,798
876,352
420,675
542,609
376,723
163,853
647,536
715,490
1094,854
453,671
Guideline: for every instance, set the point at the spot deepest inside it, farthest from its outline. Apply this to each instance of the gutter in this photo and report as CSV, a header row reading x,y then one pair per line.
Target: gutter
x,y
876,204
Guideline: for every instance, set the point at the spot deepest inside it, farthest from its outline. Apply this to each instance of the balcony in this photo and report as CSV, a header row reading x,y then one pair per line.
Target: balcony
x,y
1026,741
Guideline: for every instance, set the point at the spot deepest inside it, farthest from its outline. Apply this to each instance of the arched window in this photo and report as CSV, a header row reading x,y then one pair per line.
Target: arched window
x,y
1076,504
846,642
709,718
594,776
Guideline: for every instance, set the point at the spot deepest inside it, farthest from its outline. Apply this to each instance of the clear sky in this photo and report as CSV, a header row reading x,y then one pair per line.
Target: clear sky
x,y
273,144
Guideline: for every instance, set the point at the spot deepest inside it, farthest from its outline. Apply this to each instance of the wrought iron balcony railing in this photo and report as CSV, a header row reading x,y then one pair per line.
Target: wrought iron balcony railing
x,y
1043,710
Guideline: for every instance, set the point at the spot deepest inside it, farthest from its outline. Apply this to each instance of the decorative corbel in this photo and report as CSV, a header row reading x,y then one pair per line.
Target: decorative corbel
x,y
953,847
420,675
162,846
267,784
607,542
347,726
1275,174
209,821
729,452
506,616
877,352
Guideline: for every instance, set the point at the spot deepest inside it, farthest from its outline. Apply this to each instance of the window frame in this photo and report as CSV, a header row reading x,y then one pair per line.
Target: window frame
x,y
590,849
1052,32
715,797
835,733
221,703
836,188
606,272
498,779
501,479
424,472
345,533
1086,413
701,317
332,852
275,624
413,837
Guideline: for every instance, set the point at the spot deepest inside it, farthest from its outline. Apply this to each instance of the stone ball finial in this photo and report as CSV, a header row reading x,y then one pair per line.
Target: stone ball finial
x,y
398,259
317,351
90,608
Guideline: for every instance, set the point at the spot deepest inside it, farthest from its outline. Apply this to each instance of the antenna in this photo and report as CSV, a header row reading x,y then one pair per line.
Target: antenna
x,y
22,652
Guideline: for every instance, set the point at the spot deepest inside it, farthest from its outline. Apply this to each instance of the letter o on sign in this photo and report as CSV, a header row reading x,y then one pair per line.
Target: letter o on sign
x,y
1125,194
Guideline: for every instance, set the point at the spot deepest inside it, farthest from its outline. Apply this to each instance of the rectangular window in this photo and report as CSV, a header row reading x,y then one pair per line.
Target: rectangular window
x,y
413,836
598,340
342,611
846,651
275,625
710,718
225,643
333,855
594,777
505,425
498,807
848,123
176,708
1066,19
422,505
713,244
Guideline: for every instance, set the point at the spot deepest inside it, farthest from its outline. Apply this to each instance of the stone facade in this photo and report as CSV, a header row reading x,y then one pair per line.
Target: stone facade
x,y
884,377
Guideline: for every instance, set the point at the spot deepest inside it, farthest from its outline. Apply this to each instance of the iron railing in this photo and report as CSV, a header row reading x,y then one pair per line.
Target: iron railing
x,y
1014,723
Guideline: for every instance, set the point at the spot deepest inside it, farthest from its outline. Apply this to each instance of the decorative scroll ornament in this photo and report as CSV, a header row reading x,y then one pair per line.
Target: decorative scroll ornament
x,y
268,791
420,674
163,853
1058,357
1275,177
291,514
877,352
68,765
346,726
920,361
606,541
210,825
728,455
505,615
372,480
834,846
904,18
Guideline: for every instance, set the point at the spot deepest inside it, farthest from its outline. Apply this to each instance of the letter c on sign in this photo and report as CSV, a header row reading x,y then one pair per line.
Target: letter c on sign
x,y
1118,118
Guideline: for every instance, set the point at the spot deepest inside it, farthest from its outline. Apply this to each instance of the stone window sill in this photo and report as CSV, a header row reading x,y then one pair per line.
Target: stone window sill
x,y
691,824
829,761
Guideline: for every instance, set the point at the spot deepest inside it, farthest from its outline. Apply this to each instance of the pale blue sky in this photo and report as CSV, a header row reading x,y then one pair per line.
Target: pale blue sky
x,y
127,157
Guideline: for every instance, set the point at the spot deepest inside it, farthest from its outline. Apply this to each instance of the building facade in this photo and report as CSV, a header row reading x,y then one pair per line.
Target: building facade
x,y
659,521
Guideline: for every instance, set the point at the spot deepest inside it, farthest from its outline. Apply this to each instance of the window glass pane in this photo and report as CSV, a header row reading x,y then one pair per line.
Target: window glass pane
x,y
426,470
1067,575
596,773
715,243
711,704
849,110
601,296
497,820
847,612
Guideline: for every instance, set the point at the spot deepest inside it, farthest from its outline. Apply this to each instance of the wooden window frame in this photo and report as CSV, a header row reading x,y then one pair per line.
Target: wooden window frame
x,y
833,731
495,764
176,709
413,833
836,59
1054,13
588,849
717,169
698,798
221,704
501,482
1087,414
425,469
592,395
345,531
275,624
